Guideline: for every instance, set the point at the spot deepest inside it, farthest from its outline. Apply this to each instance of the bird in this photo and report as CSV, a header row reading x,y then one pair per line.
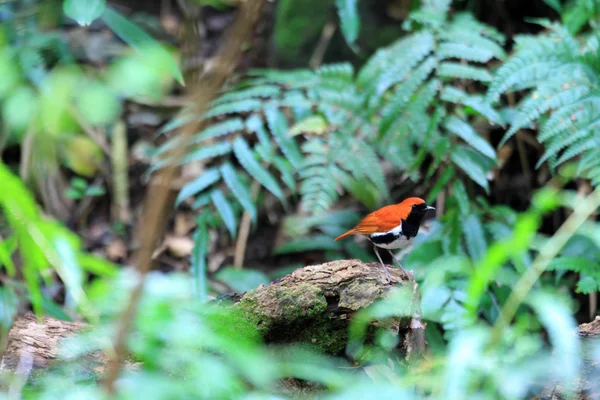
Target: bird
x,y
392,227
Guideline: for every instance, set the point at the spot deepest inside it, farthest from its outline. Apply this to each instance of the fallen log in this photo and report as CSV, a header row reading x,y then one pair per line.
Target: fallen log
x,y
312,305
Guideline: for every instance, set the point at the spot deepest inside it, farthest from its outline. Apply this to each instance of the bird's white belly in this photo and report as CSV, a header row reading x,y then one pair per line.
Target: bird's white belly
x,y
399,243
393,239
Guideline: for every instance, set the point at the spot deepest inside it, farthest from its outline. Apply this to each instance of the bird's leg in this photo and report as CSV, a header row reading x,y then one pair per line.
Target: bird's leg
x,y
387,274
397,262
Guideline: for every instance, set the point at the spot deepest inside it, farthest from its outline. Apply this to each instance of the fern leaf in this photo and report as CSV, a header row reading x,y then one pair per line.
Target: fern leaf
x,y
590,143
256,125
177,122
457,70
248,161
464,51
287,172
463,130
403,94
477,103
525,71
458,34
467,23
206,152
238,189
471,163
341,74
414,47
206,179
280,130
240,106
225,211
260,91
290,79
534,107
219,129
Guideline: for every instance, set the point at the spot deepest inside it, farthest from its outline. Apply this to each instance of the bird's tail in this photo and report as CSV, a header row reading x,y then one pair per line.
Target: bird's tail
x,y
350,232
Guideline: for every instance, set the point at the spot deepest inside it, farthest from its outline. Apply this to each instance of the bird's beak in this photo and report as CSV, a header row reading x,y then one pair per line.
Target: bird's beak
x,y
430,208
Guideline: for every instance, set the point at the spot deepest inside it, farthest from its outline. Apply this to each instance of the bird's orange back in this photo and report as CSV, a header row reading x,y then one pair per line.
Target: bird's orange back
x,y
384,219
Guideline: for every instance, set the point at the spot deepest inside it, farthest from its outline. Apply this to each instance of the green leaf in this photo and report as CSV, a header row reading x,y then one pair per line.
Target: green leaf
x,y
348,13
279,128
246,158
240,191
141,41
225,210
207,178
467,160
84,11
463,130
241,280
198,260
474,237
220,129
457,70
204,152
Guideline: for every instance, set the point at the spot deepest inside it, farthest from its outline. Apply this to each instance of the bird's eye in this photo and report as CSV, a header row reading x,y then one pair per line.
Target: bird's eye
x,y
414,206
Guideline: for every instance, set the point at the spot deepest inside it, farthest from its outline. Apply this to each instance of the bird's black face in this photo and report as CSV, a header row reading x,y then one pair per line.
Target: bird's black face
x,y
419,210
410,226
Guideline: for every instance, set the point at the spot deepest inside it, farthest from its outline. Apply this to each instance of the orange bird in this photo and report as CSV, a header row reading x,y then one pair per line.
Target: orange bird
x,y
392,227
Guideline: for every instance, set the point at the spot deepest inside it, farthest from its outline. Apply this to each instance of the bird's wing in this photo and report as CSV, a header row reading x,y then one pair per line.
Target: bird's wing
x,y
382,220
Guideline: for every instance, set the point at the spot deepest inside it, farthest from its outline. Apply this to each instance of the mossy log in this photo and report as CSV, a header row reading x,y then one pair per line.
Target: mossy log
x,y
314,306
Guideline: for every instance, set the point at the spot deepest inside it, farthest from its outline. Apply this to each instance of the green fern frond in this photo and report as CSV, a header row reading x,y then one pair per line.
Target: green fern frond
x,y
565,80
548,99
460,34
234,107
243,153
403,94
455,70
193,188
225,211
476,102
342,74
468,134
468,23
219,129
412,49
278,126
240,191
463,51
260,91
206,152
589,143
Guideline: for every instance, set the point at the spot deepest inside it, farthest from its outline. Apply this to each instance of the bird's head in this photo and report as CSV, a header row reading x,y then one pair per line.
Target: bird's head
x,y
416,207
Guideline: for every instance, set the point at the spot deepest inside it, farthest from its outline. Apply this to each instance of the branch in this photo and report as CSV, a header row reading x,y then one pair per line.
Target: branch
x,y
158,202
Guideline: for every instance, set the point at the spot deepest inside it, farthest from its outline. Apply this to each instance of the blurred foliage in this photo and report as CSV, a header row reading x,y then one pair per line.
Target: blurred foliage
x,y
47,95
413,111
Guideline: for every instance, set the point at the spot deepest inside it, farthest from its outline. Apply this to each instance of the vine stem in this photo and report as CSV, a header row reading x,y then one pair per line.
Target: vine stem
x,y
158,200
549,251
